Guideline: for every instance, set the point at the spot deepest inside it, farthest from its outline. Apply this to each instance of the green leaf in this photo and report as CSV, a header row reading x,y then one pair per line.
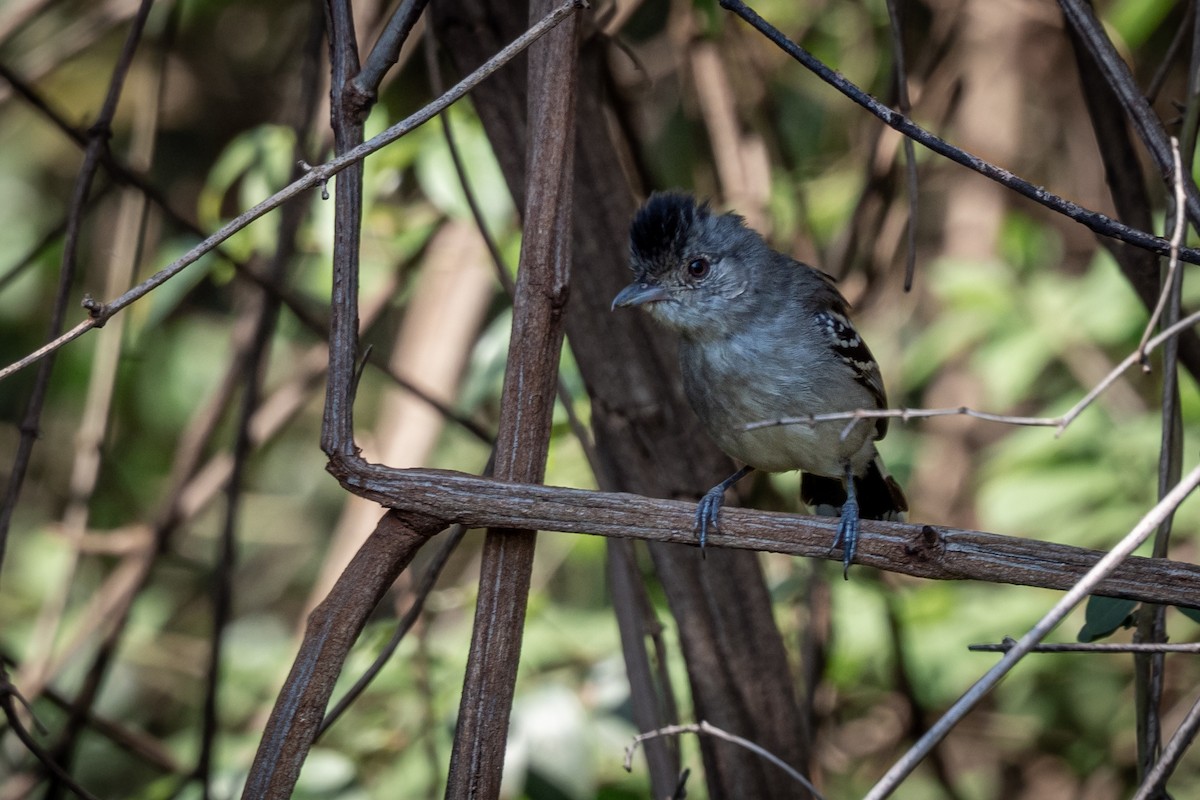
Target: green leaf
x,y
1103,616
1191,613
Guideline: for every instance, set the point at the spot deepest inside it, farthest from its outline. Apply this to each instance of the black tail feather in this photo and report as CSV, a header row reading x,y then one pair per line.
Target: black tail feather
x,y
879,496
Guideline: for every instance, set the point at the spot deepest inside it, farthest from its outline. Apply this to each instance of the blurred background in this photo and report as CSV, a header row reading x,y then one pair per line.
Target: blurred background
x,y
114,546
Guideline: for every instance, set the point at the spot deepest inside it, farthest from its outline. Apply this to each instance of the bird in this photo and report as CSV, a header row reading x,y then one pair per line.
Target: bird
x,y
763,336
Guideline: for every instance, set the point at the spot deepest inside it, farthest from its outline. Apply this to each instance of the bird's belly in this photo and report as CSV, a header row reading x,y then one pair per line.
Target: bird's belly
x,y
727,396
818,448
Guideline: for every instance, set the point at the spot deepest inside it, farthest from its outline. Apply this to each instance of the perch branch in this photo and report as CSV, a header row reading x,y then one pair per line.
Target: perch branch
x,y
924,551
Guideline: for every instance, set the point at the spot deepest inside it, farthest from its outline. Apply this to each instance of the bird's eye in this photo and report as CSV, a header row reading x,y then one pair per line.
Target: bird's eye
x,y
698,268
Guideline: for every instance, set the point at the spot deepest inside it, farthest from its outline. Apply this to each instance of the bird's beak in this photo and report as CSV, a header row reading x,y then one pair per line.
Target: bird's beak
x,y
636,294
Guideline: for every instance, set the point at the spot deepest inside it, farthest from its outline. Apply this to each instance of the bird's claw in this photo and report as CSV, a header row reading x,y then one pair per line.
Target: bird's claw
x,y
847,536
708,511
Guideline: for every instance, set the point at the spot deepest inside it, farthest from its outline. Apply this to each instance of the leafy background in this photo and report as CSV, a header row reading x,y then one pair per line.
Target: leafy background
x,y
1014,310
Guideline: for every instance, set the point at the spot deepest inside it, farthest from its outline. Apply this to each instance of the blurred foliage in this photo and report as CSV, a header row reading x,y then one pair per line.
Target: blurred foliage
x,y
1027,329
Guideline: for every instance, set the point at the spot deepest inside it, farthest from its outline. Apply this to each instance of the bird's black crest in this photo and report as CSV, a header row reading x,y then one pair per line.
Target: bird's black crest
x,y
661,226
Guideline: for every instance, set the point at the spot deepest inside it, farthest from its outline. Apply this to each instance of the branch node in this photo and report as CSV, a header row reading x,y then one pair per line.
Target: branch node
x,y
306,168
97,310
926,545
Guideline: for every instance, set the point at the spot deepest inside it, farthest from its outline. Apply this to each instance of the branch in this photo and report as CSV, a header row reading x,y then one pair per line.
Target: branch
x,y
1060,422
1156,778
924,551
319,175
364,87
704,727
1100,223
332,629
1082,19
526,412
1091,647
420,594
98,136
1088,584
8,693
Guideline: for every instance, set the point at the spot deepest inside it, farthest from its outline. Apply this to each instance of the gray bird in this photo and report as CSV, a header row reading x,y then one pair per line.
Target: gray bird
x,y
763,337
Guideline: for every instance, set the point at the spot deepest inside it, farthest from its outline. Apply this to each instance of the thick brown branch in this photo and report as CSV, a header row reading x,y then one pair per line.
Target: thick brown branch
x,y
925,551
332,628
526,413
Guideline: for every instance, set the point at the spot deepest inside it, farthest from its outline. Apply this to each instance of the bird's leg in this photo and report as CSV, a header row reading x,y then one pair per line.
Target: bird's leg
x,y
710,505
847,534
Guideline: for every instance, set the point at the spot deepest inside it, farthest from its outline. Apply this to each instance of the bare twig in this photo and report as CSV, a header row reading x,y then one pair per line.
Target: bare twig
x,y
319,175
1100,223
918,712
332,629
1178,231
652,700
1085,586
1082,19
8,693
386,51
1060,422
1151,623
578,428
1091,647
49,237
703,727
403,626
97,144
910,157
1169,55
1177,745
138,744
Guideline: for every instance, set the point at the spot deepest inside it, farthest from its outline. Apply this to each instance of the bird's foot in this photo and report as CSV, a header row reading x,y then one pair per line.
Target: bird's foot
x,y
708,511
847,536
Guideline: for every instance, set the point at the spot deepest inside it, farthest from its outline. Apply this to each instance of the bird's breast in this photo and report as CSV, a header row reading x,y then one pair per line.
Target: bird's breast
x,y
731,384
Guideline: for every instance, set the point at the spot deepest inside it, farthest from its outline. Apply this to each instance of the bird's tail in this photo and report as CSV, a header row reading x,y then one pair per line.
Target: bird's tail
x,y
879,496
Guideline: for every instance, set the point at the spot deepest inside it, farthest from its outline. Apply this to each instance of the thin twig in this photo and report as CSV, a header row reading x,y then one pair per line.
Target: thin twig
x,y
332,629
125,175
1178,230
49,237
1168,58
128,245
1060,422
910,157
918,712
1151,623
318,175
97,143
1085,586
403,626
386,51
578,428
1100,223
1081,16
8,693
1091,647
703,727
134,742
1177,745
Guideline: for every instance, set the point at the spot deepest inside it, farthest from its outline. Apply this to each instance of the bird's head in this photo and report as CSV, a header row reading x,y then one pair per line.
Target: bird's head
x,y
695,271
